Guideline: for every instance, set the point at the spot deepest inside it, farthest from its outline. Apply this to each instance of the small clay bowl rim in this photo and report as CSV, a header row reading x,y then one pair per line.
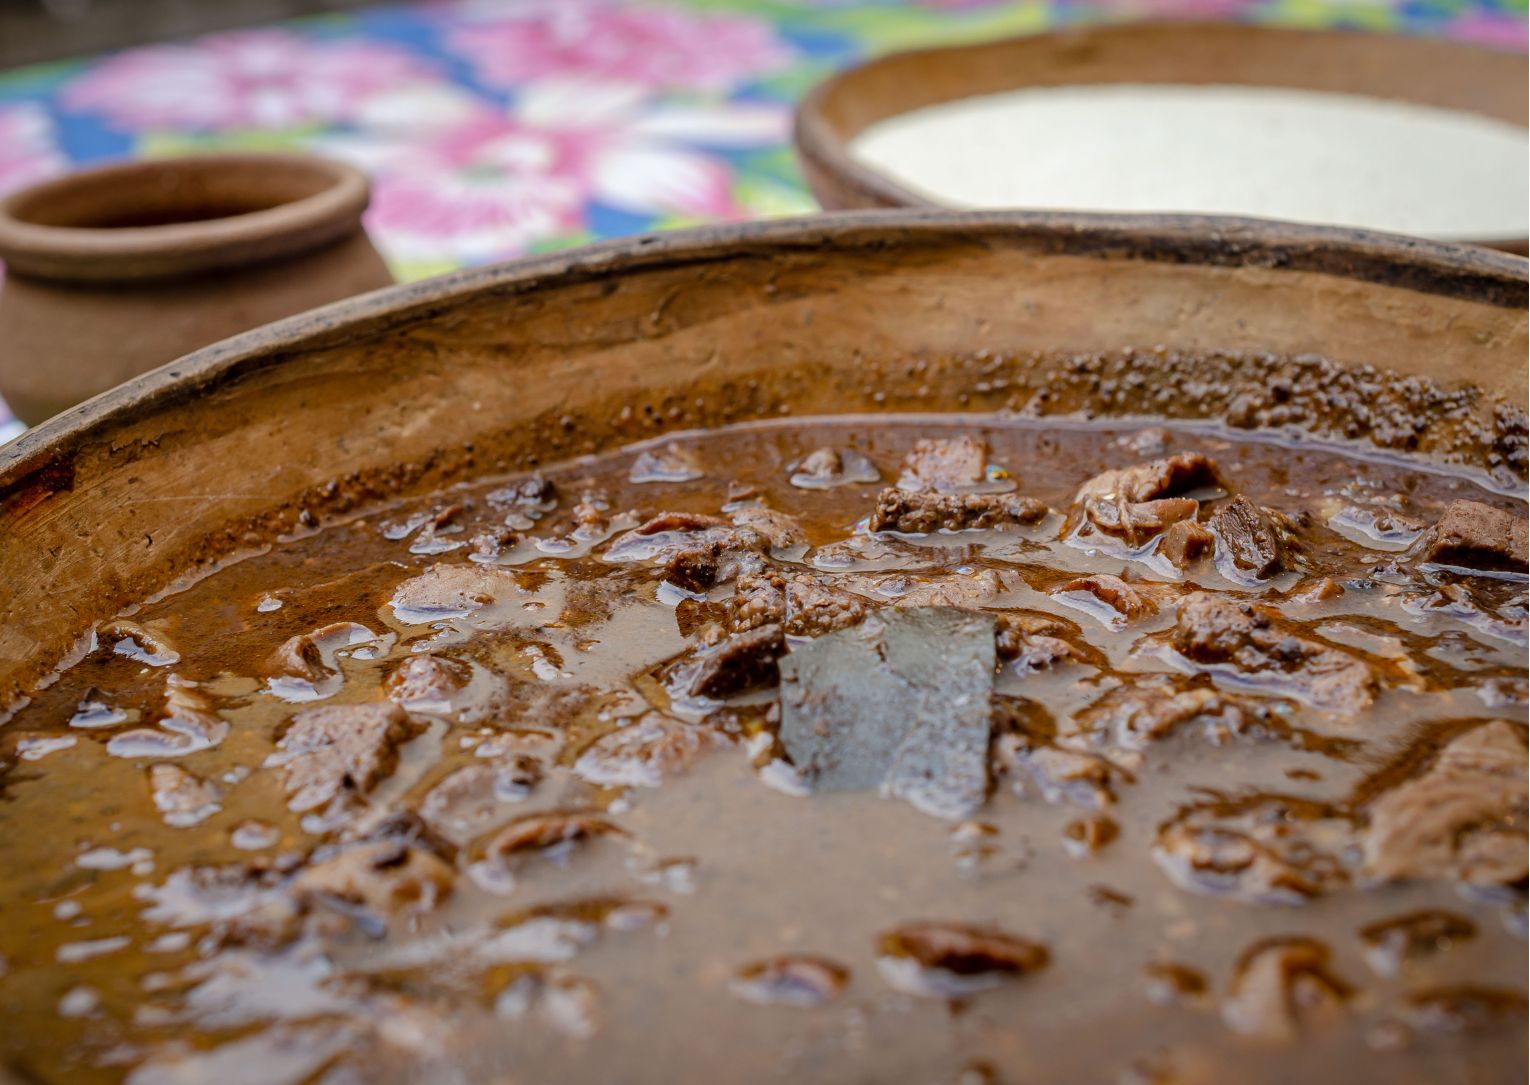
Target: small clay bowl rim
x,y
303,203
1424,71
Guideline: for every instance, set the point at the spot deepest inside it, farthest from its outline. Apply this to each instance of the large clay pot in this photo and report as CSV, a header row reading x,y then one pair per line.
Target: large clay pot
x,y
534,362
114,271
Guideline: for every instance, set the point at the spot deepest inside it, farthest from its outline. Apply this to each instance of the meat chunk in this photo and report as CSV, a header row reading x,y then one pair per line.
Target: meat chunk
x,y
1464,818
182,798
1266,849
793,980
1130,601
528,493
944,463
670,462
427,682
336,752
470,798
921,513
804,604
1472,535
1035,642
237,903
553,833
1282,987
1184,541
699,551
1464,1008
742,662
1132,716
1392,943
953,960
1136,503
381,877
824,468
1173,476
966,591
780,531
1249,539
1074,777
641,754
1214,631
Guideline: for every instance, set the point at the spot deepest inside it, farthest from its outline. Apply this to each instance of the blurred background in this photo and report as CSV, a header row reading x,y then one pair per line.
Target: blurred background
x,y
497,128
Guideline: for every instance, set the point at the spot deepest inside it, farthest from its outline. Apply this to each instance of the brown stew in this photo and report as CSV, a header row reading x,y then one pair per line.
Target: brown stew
x,y
930,749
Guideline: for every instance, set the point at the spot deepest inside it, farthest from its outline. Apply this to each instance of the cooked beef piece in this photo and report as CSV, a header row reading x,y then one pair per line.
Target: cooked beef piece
x,y
1463,1008
1404,939
1265,849
1131,601
699,551
1242,635
781,531
1282,987
182,798
1464,818
235,903
678,521
950,960
300,657
670,462
1132,716
426,682
1035,641
1063,776
967,590
1174,476
493,544
1249,538
899,704
1138,521
535,492
695,569
946,463
1185,541
742,662
803,604
380,877
335,751
796,979
641,754
921,513
472,797
1477,536
1137,503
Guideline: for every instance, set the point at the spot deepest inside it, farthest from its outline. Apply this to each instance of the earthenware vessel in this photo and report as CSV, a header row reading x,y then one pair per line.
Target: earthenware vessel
x,y
1450,75
326,415
114,271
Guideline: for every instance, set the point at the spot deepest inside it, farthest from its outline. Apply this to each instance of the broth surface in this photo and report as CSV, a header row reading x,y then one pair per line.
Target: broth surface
x,y
492,785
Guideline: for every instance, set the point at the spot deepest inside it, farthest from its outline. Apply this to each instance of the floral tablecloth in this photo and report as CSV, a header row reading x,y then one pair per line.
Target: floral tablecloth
x,y
494,128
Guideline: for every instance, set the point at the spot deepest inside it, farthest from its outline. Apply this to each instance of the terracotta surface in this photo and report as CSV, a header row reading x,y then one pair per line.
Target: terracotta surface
x,y
114,271
1428,72
505,367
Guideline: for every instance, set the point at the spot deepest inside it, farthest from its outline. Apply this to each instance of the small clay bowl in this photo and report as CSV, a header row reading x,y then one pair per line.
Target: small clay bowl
x,y
114,271
1469,78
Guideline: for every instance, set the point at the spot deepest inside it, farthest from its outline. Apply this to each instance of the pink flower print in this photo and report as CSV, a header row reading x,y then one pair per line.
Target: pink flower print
x,y
27,150
650,47
1498,29
260,79
488,189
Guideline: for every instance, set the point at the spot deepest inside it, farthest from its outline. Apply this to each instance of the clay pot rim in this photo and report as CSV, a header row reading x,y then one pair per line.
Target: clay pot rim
x,y
120,254
822,145
1407,263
